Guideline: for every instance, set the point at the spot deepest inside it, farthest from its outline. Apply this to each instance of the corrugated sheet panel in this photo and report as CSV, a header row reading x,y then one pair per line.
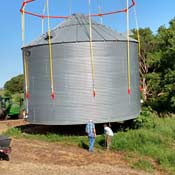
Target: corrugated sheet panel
x,y
74,102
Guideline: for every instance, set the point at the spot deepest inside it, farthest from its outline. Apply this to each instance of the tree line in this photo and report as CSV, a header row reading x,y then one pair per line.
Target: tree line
x,y
156,67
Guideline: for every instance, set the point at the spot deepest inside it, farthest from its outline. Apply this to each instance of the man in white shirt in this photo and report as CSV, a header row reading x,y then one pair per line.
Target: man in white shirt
x,y
108,136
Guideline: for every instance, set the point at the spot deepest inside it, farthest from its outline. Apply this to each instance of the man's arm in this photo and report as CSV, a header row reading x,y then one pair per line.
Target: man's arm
x,y
94,132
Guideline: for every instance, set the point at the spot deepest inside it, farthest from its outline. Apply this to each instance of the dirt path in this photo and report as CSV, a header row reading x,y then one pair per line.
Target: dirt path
x,y
6,124
33,157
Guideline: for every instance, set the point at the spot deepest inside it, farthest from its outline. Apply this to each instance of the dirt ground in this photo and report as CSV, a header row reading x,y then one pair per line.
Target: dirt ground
x,y
33,157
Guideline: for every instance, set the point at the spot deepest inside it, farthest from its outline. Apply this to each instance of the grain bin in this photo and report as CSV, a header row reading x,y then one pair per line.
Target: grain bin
x,y
72,75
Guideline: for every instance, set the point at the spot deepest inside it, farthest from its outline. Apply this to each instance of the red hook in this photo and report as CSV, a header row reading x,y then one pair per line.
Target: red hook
x,y
129,91
53,95
94,93
27,95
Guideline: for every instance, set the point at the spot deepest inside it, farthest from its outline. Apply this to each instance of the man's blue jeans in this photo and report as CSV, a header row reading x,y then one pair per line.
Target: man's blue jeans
x,y
91,143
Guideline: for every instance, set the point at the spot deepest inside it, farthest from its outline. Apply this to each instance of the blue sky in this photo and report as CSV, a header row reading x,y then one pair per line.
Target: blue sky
x,y
151,13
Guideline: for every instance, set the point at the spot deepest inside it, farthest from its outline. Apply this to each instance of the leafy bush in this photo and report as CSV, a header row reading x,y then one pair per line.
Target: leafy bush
x,y
145,119
15,84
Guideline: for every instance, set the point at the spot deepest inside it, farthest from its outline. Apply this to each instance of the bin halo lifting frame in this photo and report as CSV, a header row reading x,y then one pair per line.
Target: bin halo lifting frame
x,y
126,10
22,10
25,2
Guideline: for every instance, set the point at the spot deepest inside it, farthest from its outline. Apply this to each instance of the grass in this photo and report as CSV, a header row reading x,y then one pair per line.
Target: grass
x,y
155,141
50,137
143,165
81,141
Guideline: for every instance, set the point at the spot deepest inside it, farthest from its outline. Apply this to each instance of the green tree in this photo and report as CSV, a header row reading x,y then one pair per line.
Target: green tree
x,y
157,67
148,45
7,94
15,84
163,99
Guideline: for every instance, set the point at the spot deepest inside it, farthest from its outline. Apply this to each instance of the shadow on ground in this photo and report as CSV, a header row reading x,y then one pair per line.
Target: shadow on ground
x,y
68,129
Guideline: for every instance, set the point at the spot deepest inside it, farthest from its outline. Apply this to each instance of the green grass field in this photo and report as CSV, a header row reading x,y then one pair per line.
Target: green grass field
x,y
152,144
156,142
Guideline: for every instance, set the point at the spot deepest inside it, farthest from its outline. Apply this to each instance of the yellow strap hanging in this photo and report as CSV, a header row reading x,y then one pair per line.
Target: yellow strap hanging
x,y
91,51
50,54
22,25
128,48
26,74
25,57
25,60
44,10
100,12
70,7
138,34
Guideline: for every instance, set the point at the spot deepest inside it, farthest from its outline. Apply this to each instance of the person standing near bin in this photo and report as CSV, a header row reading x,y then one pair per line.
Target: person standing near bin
x,y
108,136
91,132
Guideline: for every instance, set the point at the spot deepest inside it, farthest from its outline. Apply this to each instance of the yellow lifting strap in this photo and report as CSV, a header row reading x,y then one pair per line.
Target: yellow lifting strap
x,y
128,48
100,11
44,10
91,51
25,56
50,54
22,25
26,75
138,34
70,7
